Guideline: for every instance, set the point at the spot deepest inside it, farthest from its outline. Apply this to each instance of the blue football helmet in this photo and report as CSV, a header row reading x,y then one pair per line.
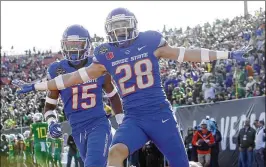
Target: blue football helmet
x,y
121,26
76,44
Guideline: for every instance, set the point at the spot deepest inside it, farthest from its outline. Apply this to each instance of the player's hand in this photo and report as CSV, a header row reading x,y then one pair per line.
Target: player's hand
x,y
119,118
24,87
55,129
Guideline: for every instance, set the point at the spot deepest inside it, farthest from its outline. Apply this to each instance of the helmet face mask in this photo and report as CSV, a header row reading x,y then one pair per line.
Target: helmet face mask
x,y
76,44
121,26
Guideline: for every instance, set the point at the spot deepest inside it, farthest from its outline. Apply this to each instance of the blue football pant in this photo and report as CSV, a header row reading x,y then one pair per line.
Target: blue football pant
x,y
161,128
94,145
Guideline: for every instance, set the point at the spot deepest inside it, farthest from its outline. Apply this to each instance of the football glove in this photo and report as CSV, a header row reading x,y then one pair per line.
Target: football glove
x,y
55,129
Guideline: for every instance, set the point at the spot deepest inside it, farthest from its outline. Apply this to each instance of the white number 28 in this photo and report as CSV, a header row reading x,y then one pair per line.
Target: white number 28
x,y
139,76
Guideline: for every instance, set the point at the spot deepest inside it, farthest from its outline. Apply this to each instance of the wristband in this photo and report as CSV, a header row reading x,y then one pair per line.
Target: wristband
x,y
111,94
119,118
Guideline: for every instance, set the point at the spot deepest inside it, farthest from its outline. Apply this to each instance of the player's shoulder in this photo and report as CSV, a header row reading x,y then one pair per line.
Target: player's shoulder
x,y
102,49
44,123
100,52
151,33
153,38
57,68
56,64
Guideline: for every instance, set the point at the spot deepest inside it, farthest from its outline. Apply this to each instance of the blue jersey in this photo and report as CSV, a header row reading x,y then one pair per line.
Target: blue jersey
x,y
136,72
83,102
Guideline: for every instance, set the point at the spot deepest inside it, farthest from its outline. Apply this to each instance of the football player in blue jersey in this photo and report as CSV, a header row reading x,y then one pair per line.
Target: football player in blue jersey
x,y
83,105
131,57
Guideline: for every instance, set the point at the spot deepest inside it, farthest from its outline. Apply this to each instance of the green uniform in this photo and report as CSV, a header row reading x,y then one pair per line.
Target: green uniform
x,y
49,150
20,145
28,150
11,157
39,130
58,150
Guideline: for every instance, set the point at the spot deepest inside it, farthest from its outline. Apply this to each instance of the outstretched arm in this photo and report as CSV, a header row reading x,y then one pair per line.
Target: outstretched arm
x,y
67,80
189,55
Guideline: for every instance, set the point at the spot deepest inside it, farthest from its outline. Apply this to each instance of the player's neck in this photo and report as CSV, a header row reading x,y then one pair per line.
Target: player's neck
x,y
129,43
82,63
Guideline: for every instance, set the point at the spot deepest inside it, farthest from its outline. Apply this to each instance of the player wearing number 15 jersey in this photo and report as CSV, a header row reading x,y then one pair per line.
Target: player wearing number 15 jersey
x,y
83,103
39,130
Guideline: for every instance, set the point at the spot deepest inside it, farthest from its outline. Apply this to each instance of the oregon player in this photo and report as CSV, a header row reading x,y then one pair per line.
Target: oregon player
x,y
49,151
58,149
39,129
12,150
28,149
20,148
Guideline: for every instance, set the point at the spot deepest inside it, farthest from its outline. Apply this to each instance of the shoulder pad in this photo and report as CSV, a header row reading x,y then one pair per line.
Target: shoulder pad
x,y
55,69
101,49
153,33
100,53
156,38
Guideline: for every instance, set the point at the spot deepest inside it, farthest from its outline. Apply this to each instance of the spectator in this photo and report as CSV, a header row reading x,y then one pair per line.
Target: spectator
x,y
211,125
216,147
203,139
256,124
246,144
208,91
81,163
251,84
188,143
72,151
260,144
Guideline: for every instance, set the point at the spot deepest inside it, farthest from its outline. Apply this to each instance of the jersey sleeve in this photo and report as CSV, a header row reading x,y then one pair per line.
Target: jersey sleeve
x,y
51,71
100,53
157,39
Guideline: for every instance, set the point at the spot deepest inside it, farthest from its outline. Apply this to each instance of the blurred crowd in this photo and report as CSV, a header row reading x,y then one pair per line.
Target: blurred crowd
x,y
15,110
184,83
197,83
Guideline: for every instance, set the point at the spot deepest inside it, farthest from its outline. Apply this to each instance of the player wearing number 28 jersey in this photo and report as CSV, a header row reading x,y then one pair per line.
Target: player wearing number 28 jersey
x,y
131,57
83,103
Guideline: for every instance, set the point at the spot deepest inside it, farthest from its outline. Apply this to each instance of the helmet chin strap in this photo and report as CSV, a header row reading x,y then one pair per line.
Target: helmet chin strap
x,y
74,59
124,43
75,63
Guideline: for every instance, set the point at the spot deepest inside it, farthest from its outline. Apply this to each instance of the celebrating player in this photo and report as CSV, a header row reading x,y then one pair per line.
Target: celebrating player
x,y
83,104
131,57
39,130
